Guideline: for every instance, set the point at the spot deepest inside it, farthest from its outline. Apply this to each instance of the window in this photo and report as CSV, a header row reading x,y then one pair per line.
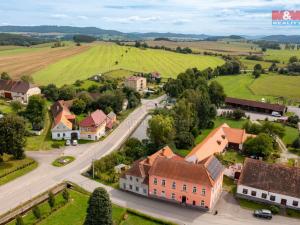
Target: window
x,y
137,179
202,203
64,134
145,191
194,189
124,186
58,135
245,191
264,195
253,193
174,185
163,183
155,191
184,187
89,136
295,203
130,187
203,191
163,194
173,196
272,198
130,178
137,189
155,181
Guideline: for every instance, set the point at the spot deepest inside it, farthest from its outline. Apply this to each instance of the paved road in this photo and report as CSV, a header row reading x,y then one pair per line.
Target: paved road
x,y
47,176
229,212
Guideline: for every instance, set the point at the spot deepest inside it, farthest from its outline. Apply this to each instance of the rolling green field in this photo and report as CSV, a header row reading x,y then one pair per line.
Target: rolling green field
x,y
74,212
281,55
267,86
107,57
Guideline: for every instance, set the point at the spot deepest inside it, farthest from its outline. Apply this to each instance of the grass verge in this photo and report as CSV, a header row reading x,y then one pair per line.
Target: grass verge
x,y
62,161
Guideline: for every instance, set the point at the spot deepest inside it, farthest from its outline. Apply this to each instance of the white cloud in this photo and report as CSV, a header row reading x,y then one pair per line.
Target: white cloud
x,y
83,17
132,19
60,16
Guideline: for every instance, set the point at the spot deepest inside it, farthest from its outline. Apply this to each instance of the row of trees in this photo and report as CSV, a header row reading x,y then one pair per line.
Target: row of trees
x,y
195,109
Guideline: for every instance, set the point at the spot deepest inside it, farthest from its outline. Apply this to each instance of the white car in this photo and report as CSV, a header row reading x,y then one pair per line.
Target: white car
x,y
276,114
74,142
68,142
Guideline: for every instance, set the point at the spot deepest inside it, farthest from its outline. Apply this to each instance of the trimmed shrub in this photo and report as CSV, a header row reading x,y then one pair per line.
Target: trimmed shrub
x,y
51,200
36,212
66,195
19,221
274,209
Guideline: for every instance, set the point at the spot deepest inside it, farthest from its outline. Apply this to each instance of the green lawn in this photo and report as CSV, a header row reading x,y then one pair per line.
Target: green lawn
x,y
282,55
5,107
229,185
277,85
232,157
74,212
119,73
269,86
290,135
59,163
107,57
44,141
9,165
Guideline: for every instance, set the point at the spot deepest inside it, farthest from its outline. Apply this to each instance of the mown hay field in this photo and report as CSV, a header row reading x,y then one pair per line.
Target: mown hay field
x,y
269,86
26,61
108,57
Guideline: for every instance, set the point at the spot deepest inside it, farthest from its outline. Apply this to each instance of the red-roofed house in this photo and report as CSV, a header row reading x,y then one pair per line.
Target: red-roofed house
x,y
94,126
167,176
63,127
217,141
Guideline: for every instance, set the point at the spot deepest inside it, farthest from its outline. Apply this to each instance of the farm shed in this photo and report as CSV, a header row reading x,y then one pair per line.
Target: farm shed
x,y
255,105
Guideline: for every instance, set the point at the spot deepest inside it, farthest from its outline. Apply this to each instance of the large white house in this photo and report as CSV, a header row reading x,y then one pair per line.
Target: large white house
x,y
63,127
270,183
18,90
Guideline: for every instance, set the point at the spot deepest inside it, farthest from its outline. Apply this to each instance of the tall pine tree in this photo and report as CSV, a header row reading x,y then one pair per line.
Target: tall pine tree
x,y
99,209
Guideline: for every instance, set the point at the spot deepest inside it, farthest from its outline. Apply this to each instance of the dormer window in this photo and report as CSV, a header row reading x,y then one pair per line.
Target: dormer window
x,y
223,136
219,142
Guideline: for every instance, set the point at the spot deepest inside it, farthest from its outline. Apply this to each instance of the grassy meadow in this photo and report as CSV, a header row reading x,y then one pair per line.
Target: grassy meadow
x,y
74,212
107,57
268,86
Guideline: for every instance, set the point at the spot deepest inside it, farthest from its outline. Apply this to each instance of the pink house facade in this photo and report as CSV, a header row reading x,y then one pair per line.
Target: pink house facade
x,y
186,183
167,176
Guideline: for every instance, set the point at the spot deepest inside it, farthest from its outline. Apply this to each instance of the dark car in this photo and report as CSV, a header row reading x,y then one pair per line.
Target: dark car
x,y
263,213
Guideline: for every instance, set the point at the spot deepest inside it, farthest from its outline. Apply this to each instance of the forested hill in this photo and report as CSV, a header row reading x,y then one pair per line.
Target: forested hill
x,y
21,40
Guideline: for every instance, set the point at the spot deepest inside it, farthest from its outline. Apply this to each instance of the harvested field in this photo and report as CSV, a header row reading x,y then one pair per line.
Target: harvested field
x,y
223,47
29,62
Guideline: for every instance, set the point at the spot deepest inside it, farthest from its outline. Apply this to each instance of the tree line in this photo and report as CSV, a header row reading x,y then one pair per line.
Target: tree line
x,y
194,110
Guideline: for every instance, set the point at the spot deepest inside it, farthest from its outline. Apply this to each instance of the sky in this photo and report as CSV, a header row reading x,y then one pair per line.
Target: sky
x,y
214,17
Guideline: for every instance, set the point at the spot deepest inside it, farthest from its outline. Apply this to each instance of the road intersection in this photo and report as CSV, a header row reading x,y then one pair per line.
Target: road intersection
x,y
46,176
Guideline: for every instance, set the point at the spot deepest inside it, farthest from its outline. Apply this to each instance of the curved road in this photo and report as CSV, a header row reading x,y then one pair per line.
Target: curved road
x,y
47,176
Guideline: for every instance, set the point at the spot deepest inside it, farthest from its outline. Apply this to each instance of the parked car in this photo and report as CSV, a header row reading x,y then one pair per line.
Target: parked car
x,y
263,213
68,142
74,142
276,114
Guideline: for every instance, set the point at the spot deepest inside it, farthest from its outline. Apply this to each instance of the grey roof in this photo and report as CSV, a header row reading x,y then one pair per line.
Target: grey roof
x,y
15,86
214,168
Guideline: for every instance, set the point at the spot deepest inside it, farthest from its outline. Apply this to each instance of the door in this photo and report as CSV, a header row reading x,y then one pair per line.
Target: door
x,y
7,95
283,201
183,200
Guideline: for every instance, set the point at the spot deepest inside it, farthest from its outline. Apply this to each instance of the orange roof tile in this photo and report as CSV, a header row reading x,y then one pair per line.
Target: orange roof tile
x,y
217,141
